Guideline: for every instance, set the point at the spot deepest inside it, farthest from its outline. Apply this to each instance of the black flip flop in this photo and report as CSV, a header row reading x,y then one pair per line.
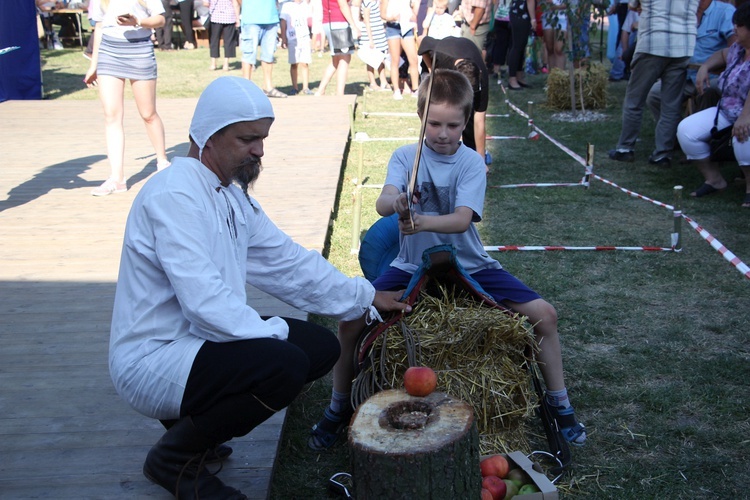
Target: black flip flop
x,y
525,85
704,190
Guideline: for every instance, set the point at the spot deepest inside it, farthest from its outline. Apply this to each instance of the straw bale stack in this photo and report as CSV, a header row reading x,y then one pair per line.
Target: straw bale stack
x,y
591,81
478,353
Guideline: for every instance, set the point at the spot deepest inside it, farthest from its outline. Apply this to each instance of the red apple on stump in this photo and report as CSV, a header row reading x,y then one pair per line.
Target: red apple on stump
x,y
420,380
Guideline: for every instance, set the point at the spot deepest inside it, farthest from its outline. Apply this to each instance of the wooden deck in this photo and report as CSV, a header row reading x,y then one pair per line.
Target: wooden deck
x,y
64,432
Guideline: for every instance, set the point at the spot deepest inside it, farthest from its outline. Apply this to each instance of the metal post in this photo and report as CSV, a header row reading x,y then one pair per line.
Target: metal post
x,y
677,232
364,103
589,165
533,134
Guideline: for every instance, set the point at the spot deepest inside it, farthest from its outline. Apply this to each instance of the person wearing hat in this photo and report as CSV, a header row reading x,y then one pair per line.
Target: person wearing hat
x,y
186,348
463,55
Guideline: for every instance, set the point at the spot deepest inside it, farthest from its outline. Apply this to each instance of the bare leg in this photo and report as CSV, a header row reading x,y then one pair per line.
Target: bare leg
x,y
343,370
394,47
411,57
144,92
711,173
304,71
544,316
267,75
330,70
293,75
111,94
342,69
247,70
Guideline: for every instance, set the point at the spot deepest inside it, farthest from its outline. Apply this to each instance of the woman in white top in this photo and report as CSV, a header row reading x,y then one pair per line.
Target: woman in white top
x,y
123,50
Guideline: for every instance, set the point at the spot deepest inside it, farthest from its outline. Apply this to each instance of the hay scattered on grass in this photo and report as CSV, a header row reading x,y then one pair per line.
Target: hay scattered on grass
x,y
478,353
590,81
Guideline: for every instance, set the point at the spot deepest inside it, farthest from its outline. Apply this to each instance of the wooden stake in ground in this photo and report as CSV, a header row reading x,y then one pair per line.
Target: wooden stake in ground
x,y
409,447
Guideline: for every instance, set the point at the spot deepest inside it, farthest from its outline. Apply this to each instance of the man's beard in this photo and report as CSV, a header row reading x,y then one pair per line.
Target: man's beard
x,y
247,172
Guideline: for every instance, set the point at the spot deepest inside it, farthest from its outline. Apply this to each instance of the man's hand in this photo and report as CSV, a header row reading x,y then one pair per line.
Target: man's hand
x,y
389,301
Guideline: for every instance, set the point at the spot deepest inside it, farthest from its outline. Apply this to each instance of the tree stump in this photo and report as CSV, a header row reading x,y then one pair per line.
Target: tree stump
x,y
416,448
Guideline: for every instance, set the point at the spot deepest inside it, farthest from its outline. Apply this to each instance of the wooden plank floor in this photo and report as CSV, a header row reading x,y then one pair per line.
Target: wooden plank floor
x,y
64,432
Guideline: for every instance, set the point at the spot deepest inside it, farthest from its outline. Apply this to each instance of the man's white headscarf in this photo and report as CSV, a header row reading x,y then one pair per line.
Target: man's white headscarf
x,y
227,100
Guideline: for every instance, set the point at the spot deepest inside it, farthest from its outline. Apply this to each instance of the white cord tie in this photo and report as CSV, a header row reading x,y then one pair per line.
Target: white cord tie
x,y
372,315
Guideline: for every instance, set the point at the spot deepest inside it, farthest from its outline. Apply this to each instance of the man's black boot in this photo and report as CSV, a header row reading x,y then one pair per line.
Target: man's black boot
x,y
177,463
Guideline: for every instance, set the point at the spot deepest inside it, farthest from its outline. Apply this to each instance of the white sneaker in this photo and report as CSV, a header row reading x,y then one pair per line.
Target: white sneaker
x,y
397,95
188,46
162,164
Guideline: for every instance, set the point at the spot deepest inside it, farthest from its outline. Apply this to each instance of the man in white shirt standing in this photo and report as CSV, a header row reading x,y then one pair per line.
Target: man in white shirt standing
x,y
185,346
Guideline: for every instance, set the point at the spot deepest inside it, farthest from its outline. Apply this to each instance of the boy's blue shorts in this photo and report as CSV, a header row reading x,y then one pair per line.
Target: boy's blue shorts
x,y
499,283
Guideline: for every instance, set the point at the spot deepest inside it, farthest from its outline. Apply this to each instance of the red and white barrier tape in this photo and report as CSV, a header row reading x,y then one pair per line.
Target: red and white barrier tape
x,y
548,184
633,193
716,244
719,247
555,248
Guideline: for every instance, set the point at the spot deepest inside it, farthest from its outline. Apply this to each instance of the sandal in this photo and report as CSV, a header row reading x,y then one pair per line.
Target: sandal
x,y
746,201
274,93
705,189
325,433
571,429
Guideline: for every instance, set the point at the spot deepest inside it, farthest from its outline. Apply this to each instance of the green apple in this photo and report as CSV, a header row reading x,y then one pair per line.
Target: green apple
x,y
511,489
518,476
528,489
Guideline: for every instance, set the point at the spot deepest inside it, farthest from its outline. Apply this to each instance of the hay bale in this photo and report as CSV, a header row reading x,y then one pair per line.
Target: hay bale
x,y
479,354
590,81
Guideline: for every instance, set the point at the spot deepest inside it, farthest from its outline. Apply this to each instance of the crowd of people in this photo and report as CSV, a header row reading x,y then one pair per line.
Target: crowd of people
x,y
678,47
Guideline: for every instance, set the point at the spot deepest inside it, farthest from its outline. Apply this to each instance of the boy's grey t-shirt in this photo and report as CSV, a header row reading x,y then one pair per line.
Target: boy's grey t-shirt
x,y
445,182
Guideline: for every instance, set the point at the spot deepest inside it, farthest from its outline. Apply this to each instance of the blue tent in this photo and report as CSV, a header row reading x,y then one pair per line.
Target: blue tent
x,y
20,68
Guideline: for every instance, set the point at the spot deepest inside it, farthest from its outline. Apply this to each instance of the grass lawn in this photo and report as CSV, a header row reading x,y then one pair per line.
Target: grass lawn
x,y
654,344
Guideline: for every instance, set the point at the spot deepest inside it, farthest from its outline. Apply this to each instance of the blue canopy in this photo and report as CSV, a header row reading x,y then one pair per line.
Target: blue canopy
x,y
20,68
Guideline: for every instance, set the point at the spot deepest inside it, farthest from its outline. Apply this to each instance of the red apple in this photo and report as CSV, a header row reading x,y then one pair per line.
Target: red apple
x,y
495,465
486,495
420,380
496,486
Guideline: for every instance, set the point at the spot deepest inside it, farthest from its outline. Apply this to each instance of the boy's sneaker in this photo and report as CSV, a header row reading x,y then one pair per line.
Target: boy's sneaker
x,y
571,429
325,433
108,187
